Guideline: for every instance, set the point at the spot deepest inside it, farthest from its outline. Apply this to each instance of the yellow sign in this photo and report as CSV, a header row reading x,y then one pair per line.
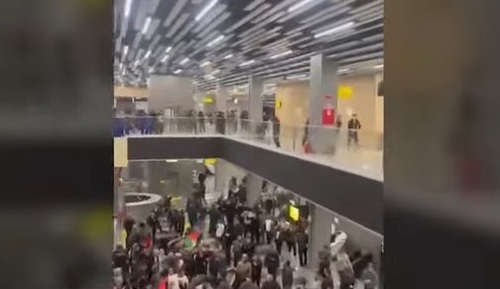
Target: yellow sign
x,y
294,213
278,103
208,99
345,92
120,152
210,161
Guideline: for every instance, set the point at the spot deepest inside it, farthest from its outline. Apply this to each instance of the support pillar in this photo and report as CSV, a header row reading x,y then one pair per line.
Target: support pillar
x,y
255,87
320,232
222,177
254,184
220,97
322,93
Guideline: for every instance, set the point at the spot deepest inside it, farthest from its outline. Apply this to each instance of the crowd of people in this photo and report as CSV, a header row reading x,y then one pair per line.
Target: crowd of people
x,y
228,244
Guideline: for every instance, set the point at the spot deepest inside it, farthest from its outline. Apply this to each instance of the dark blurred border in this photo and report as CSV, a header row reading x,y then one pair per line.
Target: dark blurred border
x,y
56,153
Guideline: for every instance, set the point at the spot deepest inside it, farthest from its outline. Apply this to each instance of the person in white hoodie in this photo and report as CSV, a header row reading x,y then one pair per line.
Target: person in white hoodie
x,y
337,242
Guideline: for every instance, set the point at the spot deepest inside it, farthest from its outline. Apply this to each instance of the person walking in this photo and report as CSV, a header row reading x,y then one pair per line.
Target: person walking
x,y
302,244
287,275
271,283
353,126
201,122
256,270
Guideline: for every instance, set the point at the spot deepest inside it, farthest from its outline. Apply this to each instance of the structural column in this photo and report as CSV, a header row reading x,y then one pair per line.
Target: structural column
x,y
222,176
322,94
255,87
254,185
320,232
221,97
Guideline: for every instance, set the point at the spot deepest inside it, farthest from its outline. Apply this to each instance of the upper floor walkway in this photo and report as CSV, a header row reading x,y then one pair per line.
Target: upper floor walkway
x,y
358,152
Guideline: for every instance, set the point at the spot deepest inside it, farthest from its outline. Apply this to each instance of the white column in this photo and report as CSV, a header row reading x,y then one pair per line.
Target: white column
x,y
320,231
221,95
322,92
255,87
254,184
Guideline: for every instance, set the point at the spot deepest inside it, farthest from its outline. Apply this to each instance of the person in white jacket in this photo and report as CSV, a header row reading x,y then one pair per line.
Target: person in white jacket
x,y
337,243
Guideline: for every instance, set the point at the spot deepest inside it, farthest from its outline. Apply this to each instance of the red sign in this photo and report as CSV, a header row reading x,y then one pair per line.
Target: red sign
x,y
328,116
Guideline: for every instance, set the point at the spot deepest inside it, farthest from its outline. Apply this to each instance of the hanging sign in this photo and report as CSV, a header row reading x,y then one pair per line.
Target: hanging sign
x,y
345,92
327,115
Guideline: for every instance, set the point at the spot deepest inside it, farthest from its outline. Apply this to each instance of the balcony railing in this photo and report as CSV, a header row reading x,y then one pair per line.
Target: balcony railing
x,y
357,151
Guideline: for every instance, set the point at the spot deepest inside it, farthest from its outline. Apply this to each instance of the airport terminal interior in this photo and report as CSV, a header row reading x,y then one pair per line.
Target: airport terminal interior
x,y
248,144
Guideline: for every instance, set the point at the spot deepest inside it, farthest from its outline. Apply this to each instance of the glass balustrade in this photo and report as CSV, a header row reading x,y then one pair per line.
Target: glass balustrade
x,y
356,151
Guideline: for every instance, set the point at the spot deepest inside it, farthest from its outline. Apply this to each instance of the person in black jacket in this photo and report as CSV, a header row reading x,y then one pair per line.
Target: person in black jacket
x,y
256,270
272,262
276,130
353,126
302,244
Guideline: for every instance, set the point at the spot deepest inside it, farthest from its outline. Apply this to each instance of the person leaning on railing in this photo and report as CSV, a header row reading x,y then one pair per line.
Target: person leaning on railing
x,y
353,126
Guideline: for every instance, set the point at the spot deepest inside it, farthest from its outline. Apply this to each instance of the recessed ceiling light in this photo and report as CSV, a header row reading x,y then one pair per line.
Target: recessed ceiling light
x,y
128,5
146,25
213,42
334,30
125,50
343,70
205,10
164,58
215,71
168,49
147,54
281,54
228,56
298,5
184,61
247,63
205,63
178,71
379,66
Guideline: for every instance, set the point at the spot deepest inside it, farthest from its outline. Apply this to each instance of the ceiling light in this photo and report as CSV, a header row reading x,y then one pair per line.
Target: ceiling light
x,y
205,10
164,58
205,63
146,25
213,42
379,66
125,50
343,70
168,49
296,76
298,5
247,62
178,71
281,54
151,69
172,161
215,71
147,54
184,61
128,5
228,56
136,62
334,30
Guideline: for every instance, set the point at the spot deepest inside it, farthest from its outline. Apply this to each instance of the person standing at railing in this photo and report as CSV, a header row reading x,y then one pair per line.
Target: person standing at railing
x,y
276,130
245,125
353,126
201,122
220,123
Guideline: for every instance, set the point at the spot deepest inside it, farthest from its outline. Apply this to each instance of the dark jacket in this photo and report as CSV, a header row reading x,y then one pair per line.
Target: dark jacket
x,y
272,260
287,276
271,285
302,241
